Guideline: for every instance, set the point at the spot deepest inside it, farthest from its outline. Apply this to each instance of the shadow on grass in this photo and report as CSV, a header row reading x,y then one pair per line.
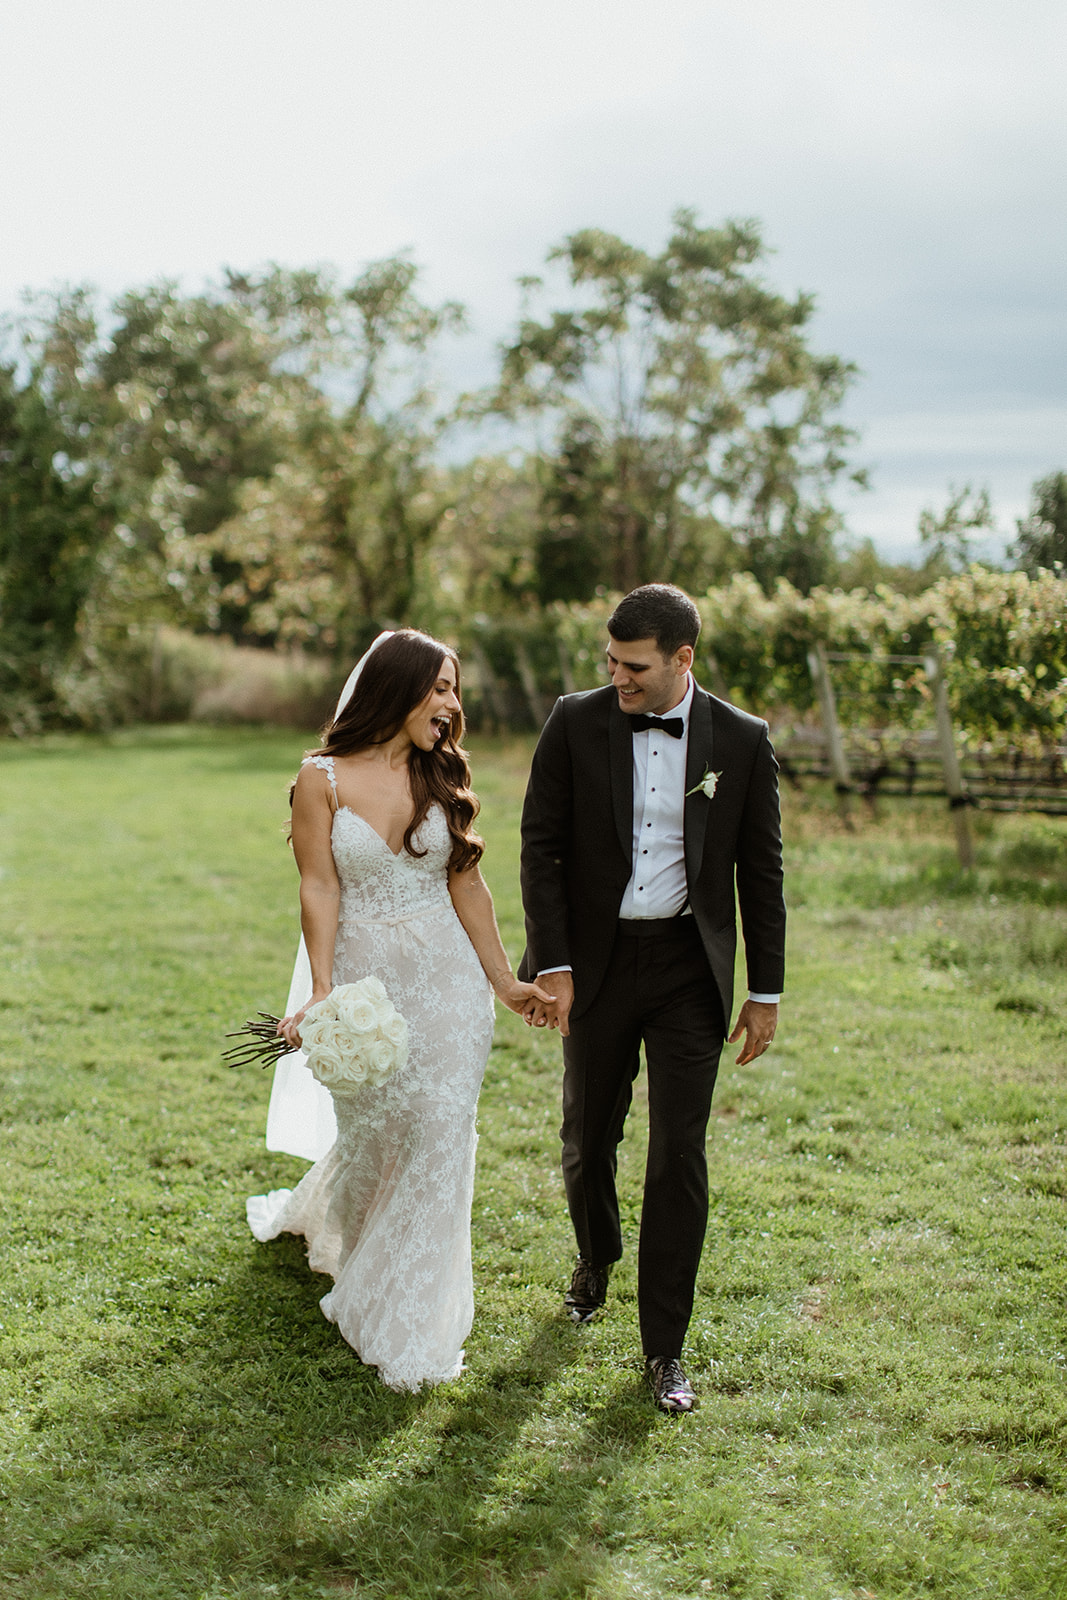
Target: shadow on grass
x,y
251,1453
517,1498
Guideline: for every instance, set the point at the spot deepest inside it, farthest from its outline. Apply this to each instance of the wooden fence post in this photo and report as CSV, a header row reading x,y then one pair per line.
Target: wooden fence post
x,y
950,766
819,668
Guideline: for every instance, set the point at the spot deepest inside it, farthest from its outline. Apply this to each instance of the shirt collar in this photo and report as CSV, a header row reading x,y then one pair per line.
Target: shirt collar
x,y
682,709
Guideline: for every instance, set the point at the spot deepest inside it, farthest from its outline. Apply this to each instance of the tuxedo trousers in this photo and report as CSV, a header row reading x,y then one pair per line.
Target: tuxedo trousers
x,y
658,991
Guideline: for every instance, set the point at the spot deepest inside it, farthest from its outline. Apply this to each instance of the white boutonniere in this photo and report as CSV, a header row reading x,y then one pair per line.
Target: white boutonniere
x,y
707,785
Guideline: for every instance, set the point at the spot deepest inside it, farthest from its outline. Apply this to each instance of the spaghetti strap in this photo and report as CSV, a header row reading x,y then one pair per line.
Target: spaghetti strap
x,y
324,764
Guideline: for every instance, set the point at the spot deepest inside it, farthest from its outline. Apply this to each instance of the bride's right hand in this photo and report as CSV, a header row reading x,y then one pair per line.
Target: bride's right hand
x,y
289,1027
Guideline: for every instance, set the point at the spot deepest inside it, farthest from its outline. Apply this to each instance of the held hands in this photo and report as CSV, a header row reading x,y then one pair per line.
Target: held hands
x,y
552,1010
518,996
757,1021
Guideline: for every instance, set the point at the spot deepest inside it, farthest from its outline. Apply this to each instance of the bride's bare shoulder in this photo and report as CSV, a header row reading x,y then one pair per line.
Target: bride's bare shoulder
x,y
315,779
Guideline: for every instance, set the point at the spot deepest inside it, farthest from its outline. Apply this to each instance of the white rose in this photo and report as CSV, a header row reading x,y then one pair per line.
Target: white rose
x,y
328,1066
360,1017
381,1059
355,1073
340,997
324,1032
373,989
327,1007
395,1029
321,1010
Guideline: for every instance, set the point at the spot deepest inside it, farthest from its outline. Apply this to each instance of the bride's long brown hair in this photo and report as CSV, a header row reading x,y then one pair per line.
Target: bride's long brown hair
x,y
396,678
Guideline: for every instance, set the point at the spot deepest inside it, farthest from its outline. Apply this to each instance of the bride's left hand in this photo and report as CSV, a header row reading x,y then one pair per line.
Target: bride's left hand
x,y
516,995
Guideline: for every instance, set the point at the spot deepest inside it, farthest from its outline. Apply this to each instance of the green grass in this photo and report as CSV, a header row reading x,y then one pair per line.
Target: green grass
x,y
879,1333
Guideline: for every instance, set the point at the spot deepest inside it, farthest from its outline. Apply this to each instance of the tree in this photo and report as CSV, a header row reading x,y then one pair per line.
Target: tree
x,y
482,560
267,445
948,539
575,482
689,415
335,540
53,520
177,401
1042,540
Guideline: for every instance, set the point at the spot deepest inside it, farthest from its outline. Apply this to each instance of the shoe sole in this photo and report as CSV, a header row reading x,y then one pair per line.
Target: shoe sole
x,y
670,1410
582,1313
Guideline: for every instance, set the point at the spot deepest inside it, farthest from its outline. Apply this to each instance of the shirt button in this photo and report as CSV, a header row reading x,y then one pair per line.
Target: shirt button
x,y
653,788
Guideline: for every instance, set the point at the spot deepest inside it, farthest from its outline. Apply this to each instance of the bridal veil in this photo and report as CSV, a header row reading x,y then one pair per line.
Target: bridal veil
x,y
300,1117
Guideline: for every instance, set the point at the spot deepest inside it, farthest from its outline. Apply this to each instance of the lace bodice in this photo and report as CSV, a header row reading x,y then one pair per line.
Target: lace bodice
x,y
377,884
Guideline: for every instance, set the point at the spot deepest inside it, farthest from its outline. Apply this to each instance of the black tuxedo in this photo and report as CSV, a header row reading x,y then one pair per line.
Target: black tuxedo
x,y
671,989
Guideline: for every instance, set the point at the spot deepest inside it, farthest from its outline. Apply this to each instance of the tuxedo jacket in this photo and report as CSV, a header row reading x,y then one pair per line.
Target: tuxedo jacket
x,y
577,842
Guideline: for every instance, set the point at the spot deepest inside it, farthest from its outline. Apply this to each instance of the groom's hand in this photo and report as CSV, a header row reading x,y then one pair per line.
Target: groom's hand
x,y
560,985
757,1021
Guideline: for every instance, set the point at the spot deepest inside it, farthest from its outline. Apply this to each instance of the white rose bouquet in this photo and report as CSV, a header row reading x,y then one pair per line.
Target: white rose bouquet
x,y
354,1036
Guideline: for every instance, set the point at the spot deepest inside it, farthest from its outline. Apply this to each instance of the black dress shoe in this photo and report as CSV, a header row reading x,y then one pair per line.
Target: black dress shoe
x,y
670,1387
588,1290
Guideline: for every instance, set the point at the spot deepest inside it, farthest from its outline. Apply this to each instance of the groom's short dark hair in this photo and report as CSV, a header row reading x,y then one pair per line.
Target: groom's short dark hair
x,y
656,611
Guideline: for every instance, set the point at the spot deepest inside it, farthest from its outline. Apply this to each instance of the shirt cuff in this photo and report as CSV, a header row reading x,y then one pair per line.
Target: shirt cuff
x,y
764,999
544,972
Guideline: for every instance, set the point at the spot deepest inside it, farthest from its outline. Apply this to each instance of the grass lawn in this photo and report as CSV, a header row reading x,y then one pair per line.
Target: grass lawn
x,y
879,1336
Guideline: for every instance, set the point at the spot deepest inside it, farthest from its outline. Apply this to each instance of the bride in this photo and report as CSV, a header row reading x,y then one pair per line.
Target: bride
x,y
390,885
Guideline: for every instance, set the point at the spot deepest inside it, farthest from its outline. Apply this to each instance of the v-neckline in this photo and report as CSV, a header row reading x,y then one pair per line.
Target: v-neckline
x,y
396,854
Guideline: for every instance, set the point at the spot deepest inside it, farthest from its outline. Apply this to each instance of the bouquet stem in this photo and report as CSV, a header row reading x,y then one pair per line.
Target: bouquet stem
x,y
260,1041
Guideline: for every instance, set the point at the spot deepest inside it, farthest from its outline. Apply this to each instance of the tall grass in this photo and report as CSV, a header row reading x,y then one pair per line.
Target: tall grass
x,y
878,1337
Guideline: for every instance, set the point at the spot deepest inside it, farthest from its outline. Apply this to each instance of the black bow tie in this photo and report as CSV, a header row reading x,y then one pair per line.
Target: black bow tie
x,y
675,726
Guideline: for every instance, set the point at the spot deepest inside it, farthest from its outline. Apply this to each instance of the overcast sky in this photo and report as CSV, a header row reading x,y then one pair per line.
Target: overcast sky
x,y
906,158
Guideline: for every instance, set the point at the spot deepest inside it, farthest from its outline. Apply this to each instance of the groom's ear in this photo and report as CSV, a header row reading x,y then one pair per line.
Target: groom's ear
x,y
683,658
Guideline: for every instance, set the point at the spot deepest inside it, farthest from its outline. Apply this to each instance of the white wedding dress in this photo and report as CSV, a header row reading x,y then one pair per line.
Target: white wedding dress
x,y
387,1210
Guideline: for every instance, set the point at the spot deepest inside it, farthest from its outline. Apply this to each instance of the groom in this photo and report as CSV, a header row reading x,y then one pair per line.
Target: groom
x,y
647,800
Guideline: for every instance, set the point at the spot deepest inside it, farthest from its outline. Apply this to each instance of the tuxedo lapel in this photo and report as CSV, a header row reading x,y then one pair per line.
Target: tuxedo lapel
x,y
621,754
698,761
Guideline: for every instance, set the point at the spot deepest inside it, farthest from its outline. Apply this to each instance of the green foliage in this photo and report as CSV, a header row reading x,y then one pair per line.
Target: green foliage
x,y
53,520
1003,637
570,560
877,1337
1009,667
947,539
338,540
262,462
267,445
1042,540
179,404
484,561
691,414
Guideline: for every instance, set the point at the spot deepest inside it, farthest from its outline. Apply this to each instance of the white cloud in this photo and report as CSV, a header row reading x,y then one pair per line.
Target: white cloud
x,y
922,453
907,158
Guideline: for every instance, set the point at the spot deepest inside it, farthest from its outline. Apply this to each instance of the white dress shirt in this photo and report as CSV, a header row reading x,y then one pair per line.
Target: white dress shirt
x,y
657,886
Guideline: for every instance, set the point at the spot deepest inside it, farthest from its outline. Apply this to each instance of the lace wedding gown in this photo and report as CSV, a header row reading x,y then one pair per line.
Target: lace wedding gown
x,y
387,1210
